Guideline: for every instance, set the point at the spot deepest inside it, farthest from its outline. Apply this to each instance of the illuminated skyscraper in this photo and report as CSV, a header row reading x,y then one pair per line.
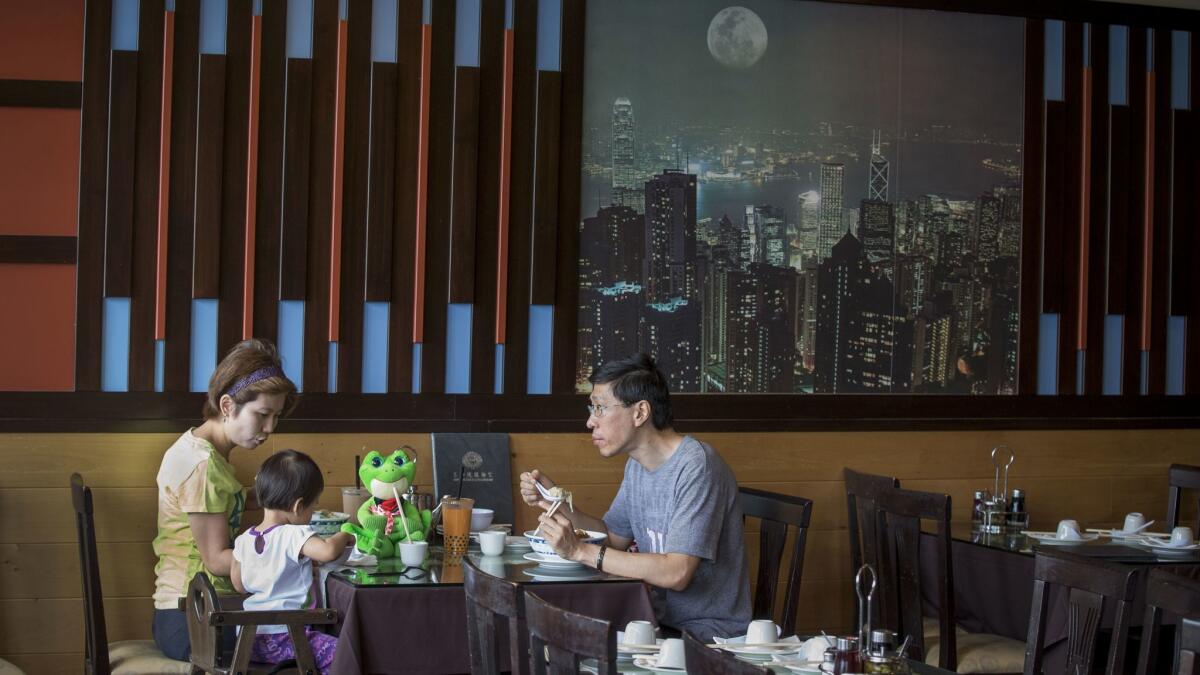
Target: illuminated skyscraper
x,y
623,144
670,332
830,229
767,226
877,230
669,263
877,183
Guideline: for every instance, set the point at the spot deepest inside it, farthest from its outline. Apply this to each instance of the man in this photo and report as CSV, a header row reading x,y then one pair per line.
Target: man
x,y
678,502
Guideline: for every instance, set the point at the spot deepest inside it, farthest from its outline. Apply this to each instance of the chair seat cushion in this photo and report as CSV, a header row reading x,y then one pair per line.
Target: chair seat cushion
x,y
7,668
981,653
141,657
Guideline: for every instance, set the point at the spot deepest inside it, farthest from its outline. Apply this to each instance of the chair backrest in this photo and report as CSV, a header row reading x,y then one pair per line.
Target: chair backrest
x,y
1181,477
1089,584
565,638
95,655
899,569
205,638
862,519
777,513
490,598
702,660
1174,594
1189,647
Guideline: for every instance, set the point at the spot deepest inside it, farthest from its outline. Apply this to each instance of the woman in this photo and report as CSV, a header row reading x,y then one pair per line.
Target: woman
x,y
200,501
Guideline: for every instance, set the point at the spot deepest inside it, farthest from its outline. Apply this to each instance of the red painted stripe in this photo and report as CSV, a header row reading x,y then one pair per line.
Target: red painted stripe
x,y
1085,198
335,220
251,179
422,187
164,177
1148,216
505,180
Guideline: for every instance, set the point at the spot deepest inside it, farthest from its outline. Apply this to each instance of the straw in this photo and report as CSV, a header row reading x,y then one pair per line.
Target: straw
x,y
400,507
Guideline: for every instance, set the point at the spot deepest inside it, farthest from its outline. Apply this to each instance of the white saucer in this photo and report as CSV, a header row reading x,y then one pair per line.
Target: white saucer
x,y
738,646
797,666
541,573
650,663
1163,546
517,542
622,650
551,561
1051,538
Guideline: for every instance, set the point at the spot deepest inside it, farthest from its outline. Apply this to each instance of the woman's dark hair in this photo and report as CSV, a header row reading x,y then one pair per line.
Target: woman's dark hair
x,y
635,379
286,476
251,368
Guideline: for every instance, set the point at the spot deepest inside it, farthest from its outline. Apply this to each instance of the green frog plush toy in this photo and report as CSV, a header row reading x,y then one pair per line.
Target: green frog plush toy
x,y
381,514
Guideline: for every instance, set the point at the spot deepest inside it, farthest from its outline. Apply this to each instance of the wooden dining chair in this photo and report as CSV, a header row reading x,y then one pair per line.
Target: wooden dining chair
x,y
1090,585
1187,662
1182,477
862,521
491,599
100,657
704,660
1172,594
777,513
559,640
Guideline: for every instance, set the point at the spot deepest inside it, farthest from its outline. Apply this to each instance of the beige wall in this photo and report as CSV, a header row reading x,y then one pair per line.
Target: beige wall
x,y
1093,476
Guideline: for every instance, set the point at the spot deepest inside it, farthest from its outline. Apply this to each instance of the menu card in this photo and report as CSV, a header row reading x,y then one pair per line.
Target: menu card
x,y
483,464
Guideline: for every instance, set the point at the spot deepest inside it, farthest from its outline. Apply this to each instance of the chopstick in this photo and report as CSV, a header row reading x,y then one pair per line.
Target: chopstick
x,y
548,513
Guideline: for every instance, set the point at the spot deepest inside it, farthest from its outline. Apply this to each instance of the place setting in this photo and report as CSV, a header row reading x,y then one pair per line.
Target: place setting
x,y
1181,543
1067,534
1134,528
551,566
761,642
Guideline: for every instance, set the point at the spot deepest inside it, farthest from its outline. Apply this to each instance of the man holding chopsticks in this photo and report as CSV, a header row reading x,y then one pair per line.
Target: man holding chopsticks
x,y
677,507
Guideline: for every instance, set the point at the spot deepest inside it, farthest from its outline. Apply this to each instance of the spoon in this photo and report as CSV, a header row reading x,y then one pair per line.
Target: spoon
x,y
546,494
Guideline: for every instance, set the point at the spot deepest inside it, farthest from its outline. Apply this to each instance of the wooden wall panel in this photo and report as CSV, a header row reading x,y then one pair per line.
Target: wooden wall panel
x,y
381,178
269,190
1068,265
1184,138
40,94
544,224
1158,271
1031,208
297,151
566,295
118,229
463,186
1054,210
234,188
1096,209
1192,356
210,126
1120,205
1131,356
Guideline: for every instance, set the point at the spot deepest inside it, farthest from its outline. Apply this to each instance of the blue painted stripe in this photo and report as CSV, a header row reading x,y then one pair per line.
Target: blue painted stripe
x,y
383,31
343,10
114,345
125,24
204,342
160,357
213,15
170,7
331,386
1176,331
466,33
256,7
508,14
458,348
1047,363
541,348
375,347
1118,65
1054,61
416,361
1145,366
426,13
1180,70
499,387
1114,328
291,340
1080,367
549,35
299,29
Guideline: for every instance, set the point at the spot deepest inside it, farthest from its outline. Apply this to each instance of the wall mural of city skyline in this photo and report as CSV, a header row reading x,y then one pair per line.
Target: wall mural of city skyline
x,y
794,196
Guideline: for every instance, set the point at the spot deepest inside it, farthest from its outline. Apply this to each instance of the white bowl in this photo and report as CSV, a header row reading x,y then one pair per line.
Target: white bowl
x,y
481,518
328,522
540,545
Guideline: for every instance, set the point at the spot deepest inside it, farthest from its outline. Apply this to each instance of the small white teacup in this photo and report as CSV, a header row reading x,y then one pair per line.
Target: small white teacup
x,y
491,542
1068,529
761,630
413,553
1134,521
1182,536
639,633
670,655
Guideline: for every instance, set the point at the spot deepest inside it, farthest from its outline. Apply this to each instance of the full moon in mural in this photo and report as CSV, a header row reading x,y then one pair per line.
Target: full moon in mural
x,y
737,38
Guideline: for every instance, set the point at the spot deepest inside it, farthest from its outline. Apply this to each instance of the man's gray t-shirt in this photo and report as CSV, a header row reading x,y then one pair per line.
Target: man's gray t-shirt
x,y
690,505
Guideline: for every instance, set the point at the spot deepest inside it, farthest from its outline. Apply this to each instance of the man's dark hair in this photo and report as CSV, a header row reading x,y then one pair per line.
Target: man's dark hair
x,y
635,379
286,476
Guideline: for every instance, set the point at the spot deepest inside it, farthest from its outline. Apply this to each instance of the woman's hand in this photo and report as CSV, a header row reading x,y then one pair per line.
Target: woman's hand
x,y
529,491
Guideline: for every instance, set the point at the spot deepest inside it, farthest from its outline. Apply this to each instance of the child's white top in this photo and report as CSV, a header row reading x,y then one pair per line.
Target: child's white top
x,y
278,577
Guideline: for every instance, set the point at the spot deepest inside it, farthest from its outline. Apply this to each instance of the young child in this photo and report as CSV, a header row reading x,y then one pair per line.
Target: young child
x,y
273,560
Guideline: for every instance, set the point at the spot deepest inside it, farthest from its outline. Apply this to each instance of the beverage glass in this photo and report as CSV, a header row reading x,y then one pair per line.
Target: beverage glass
x,y
670,655
491,542
352,499
456,524
760,631
1182,536
1134,521
412,554
639,633
1068,529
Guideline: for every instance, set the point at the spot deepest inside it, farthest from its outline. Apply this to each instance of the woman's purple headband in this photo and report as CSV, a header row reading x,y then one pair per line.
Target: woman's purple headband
x,y
257,376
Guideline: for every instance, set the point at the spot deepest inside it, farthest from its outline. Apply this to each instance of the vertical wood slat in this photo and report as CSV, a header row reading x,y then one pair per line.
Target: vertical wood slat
x,y
210,126
182,207
1192,334
335,207
163,201
1131,361
381,178
1120,209
93,146
1055,198
297,149
544,224
1183,215
1097,212
437,242
1068,266
269,193
566,297
354,197
320,195
520,207
1031,208
492,38
239,39
421,220
409,50
1159,263
122,123
463,187
145,195
251,177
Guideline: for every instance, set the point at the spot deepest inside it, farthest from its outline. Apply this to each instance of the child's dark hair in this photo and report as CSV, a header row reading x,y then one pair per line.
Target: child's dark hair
x,y
286,476
637,378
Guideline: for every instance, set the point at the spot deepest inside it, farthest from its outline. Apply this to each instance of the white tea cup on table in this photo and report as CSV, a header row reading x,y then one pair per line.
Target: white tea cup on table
x,y
1134,521
413,553
1068,529
491,542
639,633
1182,536
761,630
670,655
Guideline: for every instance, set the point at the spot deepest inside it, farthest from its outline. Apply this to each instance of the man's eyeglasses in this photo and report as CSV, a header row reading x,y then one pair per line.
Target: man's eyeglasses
x,y
598,410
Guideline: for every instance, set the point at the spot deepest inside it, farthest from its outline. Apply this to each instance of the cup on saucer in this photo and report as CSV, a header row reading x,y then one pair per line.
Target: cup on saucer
x,y
670,655
1068,530
491,542
639,633
1134,521
760,631
1182,536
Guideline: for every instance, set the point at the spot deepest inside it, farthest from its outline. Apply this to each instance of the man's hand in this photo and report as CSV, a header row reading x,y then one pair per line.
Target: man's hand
x,y
529,491
560,534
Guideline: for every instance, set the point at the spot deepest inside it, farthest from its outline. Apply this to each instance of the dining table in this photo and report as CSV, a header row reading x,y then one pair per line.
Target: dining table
x,y
399,619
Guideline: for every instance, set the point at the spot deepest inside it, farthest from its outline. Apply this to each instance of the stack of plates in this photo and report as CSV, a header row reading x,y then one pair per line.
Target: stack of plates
x,y
737,645
627,653
554,568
